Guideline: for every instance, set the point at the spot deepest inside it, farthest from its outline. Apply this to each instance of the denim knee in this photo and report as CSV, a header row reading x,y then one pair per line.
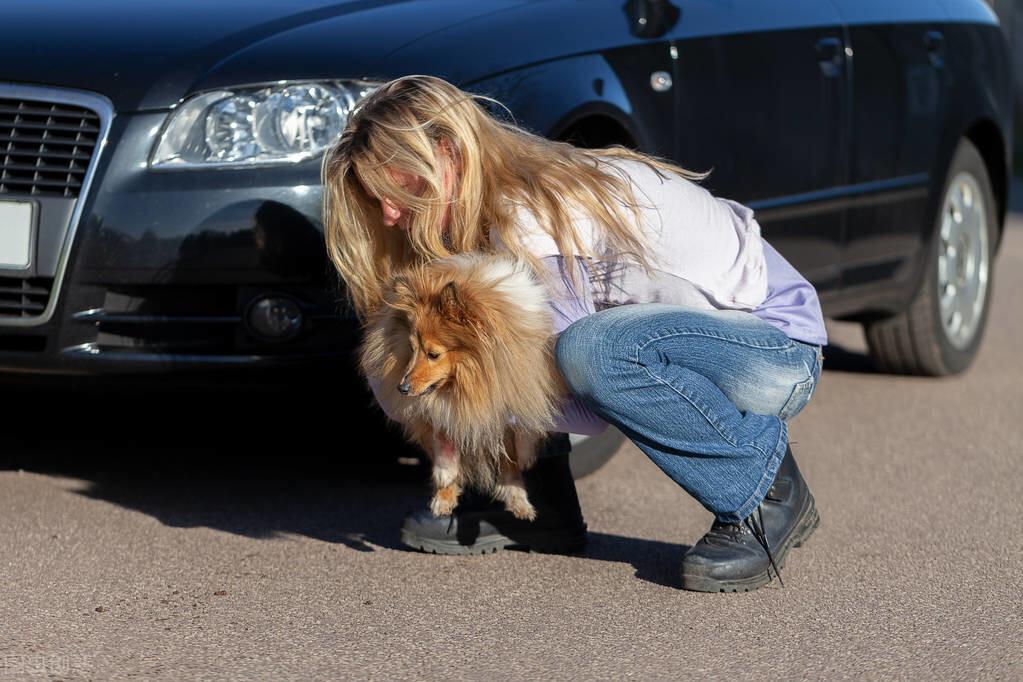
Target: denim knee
x,y
596,345
576,357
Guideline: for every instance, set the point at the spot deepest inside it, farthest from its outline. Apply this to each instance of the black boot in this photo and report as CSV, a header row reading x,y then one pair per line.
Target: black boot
x,y
734,557
480,524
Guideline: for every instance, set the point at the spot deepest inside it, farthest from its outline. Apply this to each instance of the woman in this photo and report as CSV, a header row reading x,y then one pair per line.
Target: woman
x,y
677,322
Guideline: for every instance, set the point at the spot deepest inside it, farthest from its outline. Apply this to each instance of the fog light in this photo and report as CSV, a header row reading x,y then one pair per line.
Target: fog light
x,y
275,317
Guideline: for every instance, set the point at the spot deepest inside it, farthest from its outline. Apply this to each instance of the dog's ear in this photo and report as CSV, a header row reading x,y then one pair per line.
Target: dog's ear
x,y
457,306
450,305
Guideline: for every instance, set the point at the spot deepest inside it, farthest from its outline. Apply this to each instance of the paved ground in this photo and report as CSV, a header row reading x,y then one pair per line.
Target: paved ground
x,y
264,556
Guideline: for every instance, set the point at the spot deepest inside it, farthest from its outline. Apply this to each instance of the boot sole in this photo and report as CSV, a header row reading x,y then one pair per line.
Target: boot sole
x,y
808,522
492,543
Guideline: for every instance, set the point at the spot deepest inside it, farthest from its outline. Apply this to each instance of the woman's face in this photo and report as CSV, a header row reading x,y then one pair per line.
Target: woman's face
x,y
398,216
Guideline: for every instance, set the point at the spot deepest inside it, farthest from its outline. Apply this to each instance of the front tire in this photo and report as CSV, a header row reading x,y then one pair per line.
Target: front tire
x,y
941,330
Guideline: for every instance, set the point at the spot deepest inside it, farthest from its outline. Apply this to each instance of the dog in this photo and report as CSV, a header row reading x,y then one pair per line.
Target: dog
x,y
464,348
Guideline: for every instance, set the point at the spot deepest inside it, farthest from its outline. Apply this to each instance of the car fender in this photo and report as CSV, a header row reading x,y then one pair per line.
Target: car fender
x,y
548,98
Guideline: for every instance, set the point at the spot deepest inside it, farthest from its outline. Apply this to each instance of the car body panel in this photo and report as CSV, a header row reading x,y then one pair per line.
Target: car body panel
x,y
770,87
165,262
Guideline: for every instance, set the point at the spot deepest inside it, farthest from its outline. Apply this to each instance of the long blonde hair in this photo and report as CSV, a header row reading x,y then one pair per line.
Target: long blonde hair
x,y
401,125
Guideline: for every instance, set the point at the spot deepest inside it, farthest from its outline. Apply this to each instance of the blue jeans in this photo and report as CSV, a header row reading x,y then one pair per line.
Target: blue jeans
x,y
705,394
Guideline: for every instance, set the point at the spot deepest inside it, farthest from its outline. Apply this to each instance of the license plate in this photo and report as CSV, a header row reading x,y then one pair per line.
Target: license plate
x,y
15,234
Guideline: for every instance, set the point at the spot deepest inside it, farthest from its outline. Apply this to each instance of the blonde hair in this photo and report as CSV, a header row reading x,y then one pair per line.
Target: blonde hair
x,y
401,126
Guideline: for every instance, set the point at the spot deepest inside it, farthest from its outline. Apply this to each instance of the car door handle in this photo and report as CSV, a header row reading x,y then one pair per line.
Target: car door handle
x,y
934,43
830,55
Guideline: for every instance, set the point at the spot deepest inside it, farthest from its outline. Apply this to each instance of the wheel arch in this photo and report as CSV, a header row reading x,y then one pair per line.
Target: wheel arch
x,y
984,133
580,94
986,136
594,125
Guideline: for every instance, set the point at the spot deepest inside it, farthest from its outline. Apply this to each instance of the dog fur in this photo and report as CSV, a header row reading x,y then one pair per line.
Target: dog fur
x,y
464,348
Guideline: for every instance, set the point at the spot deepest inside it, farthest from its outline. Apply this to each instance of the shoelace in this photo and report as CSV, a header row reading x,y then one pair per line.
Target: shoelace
x,y
757,529
761,536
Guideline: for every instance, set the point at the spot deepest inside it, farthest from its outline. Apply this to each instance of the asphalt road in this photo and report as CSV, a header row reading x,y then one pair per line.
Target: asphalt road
x,y
136,545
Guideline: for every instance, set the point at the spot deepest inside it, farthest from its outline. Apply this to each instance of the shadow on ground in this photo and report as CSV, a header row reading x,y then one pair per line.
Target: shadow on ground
x,y
262,496
254,463
656,562
837,358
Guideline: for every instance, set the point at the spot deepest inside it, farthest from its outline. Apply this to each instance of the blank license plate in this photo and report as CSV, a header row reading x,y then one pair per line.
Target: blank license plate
x,y
15,234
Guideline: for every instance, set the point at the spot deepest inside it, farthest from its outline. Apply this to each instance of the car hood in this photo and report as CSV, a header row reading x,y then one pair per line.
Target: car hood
x,y
148,55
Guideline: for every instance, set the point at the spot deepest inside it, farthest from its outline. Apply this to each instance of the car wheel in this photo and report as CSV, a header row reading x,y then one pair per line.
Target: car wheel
x,y
941,330
589,453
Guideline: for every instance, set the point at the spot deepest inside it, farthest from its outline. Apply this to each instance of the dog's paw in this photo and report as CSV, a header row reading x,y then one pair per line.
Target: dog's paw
x,y
516,501
524,511
441,507
444,502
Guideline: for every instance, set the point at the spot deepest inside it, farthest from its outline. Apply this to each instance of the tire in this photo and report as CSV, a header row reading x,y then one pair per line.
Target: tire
x,y
589,453
932,336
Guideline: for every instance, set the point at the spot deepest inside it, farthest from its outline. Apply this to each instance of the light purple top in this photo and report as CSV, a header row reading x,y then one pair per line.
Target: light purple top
x,y
791,304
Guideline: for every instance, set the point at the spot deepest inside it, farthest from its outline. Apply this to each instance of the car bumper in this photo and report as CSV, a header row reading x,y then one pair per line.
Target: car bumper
x,y
155,270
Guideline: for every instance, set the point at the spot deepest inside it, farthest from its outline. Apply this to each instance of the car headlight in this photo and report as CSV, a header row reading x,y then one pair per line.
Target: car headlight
x,y
281,122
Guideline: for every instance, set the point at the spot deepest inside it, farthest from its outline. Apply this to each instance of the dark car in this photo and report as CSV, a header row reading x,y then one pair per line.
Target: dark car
x,y
160,204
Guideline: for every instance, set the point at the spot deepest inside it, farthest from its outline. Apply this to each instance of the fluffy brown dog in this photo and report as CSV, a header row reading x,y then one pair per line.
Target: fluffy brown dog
x,y
464,348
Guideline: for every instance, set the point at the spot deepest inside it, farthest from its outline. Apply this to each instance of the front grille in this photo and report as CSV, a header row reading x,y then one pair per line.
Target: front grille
x,y
45,147
24,297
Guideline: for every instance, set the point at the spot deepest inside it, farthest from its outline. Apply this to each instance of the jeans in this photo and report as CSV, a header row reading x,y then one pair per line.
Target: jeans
x,y
705,394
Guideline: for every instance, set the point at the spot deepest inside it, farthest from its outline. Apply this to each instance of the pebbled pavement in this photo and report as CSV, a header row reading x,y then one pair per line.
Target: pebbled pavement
x,y
236,545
